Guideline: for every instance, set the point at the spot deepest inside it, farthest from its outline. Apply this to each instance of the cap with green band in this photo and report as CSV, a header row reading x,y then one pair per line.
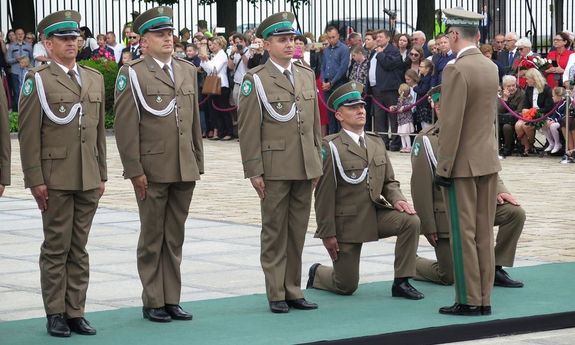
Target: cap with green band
x,y
276,24
61,23
154,19
346,95
462,18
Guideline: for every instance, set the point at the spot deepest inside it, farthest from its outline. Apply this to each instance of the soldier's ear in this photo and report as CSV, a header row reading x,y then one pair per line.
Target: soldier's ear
x,y
338,116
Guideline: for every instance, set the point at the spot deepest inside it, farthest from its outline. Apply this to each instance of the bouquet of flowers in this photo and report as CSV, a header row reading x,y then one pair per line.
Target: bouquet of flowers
x,y
534,114
542,64
103,54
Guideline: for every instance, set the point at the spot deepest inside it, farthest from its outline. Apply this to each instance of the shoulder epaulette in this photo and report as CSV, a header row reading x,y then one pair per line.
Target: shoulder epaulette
x,y
184,60
91,69
256,69
39,68
330,137
133,62
300,64
372,133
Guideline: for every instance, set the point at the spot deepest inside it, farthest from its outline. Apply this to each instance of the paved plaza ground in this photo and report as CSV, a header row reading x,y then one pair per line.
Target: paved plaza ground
x,y
221,251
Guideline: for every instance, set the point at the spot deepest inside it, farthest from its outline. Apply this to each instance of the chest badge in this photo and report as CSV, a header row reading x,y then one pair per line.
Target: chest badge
x,y
353,175
158,99
62,109
279,106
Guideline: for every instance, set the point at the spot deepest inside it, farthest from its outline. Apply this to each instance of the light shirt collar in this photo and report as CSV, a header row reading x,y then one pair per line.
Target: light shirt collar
x,y
161,64
464,50
355,137
281,69
66,69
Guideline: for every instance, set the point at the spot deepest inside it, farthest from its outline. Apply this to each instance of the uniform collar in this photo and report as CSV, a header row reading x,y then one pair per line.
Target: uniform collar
x,y
161,64
280,68
464,50
354,136
66,69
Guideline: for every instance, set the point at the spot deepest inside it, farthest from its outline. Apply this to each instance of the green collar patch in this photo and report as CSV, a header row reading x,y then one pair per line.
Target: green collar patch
x,y
323,154
121,83
28,87
416,149
247,87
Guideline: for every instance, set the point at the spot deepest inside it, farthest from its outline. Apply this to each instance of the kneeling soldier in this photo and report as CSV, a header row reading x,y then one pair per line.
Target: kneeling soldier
x,y
358,200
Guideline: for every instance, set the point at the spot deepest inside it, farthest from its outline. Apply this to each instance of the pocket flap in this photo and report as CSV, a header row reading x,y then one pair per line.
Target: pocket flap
x,y
379,160
95,97
279,97
353,164
54,152
158,89
308,94
274,145
346,210
187,89
61,98
153,148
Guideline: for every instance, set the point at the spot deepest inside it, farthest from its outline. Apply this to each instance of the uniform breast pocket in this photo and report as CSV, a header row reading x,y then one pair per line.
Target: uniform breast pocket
x,y
281,102
308,94
61,103
353,168
92,108
51,157
380,166
188,94
159,96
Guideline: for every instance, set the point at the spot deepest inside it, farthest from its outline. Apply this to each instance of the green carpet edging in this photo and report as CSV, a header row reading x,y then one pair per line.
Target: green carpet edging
x,y
370,311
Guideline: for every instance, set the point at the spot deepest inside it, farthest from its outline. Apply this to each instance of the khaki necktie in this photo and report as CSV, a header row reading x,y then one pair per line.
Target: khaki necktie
x,y
361,143
166,69
288,76
74,79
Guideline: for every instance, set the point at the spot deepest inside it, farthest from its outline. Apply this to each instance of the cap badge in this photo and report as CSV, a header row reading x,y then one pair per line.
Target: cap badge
x,y
284,15
68,14
353,85
160,10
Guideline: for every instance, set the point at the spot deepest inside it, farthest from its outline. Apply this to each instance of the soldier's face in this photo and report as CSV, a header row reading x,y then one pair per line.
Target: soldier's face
x,y
281,48
352,117
62,49
159,43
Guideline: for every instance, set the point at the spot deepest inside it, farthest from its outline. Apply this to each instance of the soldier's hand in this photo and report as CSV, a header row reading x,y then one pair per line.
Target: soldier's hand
x,y
330,243
259,185
40,193
1,189
404,206
432,239
506,197
102,187
140,184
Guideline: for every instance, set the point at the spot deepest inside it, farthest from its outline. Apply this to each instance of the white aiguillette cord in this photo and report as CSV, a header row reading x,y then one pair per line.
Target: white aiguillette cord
x,y
44,103
262,95
136,86
346,178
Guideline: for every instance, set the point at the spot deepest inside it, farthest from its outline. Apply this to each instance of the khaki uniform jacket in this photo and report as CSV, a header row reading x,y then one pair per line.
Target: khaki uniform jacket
x,y
280,150
349,211
427,197
165,149
5,149
469,95
70,156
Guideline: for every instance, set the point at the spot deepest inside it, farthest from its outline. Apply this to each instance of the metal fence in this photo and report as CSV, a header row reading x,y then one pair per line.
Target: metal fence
x,y
531,18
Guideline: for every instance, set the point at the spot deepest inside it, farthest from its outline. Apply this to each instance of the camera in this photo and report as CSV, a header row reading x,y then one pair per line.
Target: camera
x,y
239,47
390,13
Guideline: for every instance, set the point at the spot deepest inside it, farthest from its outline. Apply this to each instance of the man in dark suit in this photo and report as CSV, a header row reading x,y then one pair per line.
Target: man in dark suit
x,y
507,56
134,46
468,171
388,75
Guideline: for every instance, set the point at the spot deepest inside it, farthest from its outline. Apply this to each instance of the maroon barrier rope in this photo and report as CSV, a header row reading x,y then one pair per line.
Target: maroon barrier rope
x,y
518,116
405,108
204,100
224,110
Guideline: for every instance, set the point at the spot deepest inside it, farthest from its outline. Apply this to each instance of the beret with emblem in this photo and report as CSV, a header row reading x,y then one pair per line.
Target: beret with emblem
x,y
462,18
61,24
277,24
154,19
346,95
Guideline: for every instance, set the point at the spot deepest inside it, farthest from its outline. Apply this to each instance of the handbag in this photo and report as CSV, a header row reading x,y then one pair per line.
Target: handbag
x,y
212,84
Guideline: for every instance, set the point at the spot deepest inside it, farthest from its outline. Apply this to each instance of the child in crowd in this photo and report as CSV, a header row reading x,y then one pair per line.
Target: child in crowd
x,y
551,127
404,117
423,113
358,70
126,57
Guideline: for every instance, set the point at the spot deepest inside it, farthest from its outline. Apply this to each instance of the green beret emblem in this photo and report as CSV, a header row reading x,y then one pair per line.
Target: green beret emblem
x,y
121,83
247,87
28,87
416,149
323,154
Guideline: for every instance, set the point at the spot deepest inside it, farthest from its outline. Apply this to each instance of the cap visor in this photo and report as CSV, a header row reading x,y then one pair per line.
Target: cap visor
x,y
353,102
283,32
66,33
161,28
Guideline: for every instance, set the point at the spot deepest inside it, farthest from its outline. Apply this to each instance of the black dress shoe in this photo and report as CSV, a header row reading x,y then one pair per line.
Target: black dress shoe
x,y
405,290
462,309
177,313
502,279
485,310
301,304
81,326
57,326
156,314
279,307
311,275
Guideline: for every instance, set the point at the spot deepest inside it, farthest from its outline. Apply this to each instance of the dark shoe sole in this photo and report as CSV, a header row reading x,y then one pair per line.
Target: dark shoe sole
x,y
153,319
60,335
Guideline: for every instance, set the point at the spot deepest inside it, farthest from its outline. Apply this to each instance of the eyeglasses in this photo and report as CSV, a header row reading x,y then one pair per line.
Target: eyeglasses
x,y
132,37
512,40
558,39
413,54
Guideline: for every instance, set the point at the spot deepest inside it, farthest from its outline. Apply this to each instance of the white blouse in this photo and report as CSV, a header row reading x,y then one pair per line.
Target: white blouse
x,y
220,63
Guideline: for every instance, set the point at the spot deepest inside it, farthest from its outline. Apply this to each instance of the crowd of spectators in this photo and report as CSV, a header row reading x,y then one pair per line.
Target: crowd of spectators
x,y
383,61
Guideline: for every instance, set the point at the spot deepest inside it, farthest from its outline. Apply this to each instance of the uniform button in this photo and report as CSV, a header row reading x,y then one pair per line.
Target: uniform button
x,y
297,98
49,155
83,127
181,120
83,141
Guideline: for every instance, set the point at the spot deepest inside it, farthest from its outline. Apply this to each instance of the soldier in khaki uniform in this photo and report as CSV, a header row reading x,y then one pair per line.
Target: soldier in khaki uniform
x,y
160,143
430,207
280,144
358,200
467,163
63,150
5,149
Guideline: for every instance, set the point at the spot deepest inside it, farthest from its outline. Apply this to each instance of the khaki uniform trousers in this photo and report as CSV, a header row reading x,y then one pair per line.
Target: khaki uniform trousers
x,y
64,262
472,241
343,278
163,215
510,220
285,216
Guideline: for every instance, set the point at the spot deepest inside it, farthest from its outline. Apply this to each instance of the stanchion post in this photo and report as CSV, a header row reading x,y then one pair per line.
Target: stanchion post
x,y
567,111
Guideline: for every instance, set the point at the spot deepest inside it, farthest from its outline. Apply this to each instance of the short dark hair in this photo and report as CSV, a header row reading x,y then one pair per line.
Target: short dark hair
x,y
466,32
331,28
301,38
240,36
